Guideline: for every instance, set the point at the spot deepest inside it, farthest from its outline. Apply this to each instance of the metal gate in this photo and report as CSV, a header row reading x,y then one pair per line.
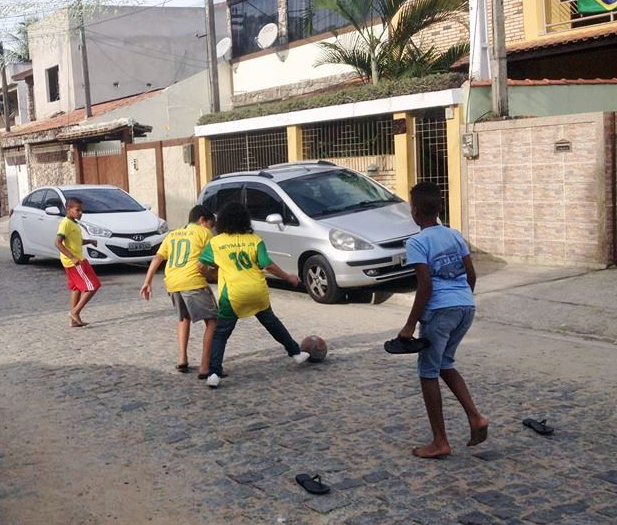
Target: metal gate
x,y
432,154
248,151
105,167
362,144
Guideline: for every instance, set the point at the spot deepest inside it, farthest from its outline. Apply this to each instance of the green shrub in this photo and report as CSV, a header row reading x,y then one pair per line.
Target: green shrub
x,y
347,95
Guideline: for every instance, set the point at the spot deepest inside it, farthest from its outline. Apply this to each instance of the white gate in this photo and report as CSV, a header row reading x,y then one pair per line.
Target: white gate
x,y
16,176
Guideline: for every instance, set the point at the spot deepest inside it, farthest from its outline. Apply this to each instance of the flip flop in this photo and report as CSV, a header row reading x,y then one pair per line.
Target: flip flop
x,y
183,369
404,345
539,426
312,484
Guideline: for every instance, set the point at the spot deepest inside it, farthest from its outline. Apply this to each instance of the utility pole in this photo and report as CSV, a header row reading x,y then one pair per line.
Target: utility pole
x,y
478,31
84,59
6,104
213,70
499,66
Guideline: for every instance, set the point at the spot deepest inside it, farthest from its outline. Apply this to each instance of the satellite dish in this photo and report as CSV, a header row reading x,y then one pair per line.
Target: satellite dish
x,y
223,47
267,35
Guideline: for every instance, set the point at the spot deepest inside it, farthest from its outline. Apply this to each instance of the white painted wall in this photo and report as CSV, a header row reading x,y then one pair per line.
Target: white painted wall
x,y
17,183
180,186
142,177
269,71
130,50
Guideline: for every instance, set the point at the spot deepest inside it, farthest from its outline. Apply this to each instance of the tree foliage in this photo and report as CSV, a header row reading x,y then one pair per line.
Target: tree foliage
x,y
385,41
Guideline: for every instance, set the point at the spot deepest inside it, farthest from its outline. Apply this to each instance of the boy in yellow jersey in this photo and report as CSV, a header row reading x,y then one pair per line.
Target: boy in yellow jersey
x,y
81,279
241,258
186,283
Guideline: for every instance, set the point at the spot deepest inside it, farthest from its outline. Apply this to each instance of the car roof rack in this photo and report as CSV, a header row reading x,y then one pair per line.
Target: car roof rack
x,y
259,173
302,162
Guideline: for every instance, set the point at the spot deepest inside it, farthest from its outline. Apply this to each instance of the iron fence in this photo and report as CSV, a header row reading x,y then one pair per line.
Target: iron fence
x,y
364,144
248,151
432,154
564,15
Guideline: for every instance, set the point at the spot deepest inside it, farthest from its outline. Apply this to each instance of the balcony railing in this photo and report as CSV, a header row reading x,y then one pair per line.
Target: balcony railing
x,y
563,15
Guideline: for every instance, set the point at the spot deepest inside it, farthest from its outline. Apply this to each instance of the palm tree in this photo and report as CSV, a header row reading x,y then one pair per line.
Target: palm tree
x,y
18,49
382,45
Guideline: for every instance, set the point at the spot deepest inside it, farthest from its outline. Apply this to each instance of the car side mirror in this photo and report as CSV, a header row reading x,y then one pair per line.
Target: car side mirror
x,y
52,210
276,218
147,206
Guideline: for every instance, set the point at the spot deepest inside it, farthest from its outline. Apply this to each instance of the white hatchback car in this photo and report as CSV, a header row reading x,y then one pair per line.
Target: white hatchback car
x,y
126,231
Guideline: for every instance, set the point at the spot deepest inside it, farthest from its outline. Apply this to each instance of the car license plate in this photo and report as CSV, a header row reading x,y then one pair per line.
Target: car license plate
x,y
139,246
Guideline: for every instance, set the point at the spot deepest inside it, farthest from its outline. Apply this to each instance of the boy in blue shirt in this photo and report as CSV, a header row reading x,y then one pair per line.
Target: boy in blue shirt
x,y
444,307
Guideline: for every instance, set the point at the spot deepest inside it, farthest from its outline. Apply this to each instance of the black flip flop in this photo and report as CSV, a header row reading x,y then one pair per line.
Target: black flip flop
x,y
406,345
183,369
312,484
539,426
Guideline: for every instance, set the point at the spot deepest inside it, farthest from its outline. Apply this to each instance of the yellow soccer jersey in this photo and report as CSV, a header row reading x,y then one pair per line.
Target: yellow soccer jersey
x,y
181,248
70,232
243,290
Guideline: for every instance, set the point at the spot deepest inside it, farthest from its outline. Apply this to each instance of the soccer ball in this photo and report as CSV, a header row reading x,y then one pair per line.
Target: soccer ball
x,y
316,346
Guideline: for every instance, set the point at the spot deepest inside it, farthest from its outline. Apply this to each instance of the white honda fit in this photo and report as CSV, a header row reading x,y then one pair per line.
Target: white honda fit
x,y
126,231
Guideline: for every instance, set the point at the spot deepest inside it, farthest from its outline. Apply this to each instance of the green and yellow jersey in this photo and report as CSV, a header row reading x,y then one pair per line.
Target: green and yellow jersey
x,y
240,258
70,232
181,248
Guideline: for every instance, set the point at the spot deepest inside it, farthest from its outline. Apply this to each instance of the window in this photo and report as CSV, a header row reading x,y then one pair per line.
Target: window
x,y
262,203
104,200
304,21
53,84
228,194
336,192
53,199
35,200
247,19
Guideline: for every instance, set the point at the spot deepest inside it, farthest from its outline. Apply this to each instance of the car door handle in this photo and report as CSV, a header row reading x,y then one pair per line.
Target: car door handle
x,y
41,218
24,216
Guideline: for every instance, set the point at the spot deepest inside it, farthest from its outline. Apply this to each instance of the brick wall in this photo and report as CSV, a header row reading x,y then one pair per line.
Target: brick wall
x,y
524,201
446,34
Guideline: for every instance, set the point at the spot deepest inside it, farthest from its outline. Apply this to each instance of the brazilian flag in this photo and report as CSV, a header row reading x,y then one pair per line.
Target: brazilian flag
x,y
592,7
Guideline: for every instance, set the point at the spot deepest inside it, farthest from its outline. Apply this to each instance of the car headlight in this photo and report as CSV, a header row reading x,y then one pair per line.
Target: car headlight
x,y
163,227
96,231
345,241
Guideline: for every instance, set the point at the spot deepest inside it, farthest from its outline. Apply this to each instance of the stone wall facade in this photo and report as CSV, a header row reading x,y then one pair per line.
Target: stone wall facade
x,y
4,193
524,200
289,90
50,165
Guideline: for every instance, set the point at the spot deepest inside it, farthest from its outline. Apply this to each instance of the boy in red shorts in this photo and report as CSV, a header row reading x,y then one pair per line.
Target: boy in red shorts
x,y
81,279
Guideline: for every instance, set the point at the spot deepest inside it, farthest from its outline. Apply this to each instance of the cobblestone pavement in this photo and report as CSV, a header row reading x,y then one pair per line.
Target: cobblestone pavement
x,y
97,428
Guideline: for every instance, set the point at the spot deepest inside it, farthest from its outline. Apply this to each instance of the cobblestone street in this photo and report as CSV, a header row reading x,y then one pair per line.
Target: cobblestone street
x,y
97,427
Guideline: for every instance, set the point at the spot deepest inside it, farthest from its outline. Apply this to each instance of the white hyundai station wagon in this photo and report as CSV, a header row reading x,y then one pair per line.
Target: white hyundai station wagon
x,y
334,227
126,231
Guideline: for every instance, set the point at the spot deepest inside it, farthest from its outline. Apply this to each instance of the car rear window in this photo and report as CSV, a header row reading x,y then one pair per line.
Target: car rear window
x,y
104,200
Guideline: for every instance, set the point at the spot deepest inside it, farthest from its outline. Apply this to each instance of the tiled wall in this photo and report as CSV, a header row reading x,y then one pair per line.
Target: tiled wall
x,y
525,201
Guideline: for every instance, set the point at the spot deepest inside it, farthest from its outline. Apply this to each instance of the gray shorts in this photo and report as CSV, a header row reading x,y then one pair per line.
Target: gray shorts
x,y
196,305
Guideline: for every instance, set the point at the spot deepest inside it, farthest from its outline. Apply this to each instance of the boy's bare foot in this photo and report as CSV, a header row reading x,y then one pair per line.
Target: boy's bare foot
x,y
479,431
76,321
432,451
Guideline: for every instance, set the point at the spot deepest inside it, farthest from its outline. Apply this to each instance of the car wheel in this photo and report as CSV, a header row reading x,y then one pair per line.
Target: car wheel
x,y
320,281
17,250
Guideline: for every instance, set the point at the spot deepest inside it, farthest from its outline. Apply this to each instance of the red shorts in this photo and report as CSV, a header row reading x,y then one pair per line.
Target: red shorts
x,y
82,278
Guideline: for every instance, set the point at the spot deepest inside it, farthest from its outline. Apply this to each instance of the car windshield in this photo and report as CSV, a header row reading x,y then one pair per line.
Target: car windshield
x,y
104,200
336,192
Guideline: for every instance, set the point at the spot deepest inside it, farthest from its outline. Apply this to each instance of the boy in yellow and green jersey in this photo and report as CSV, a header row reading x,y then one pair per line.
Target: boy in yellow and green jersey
x,y
186,283
241,258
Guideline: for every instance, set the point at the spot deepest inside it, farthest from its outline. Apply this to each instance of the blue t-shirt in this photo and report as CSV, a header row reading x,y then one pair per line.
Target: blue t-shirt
x,y
442,250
